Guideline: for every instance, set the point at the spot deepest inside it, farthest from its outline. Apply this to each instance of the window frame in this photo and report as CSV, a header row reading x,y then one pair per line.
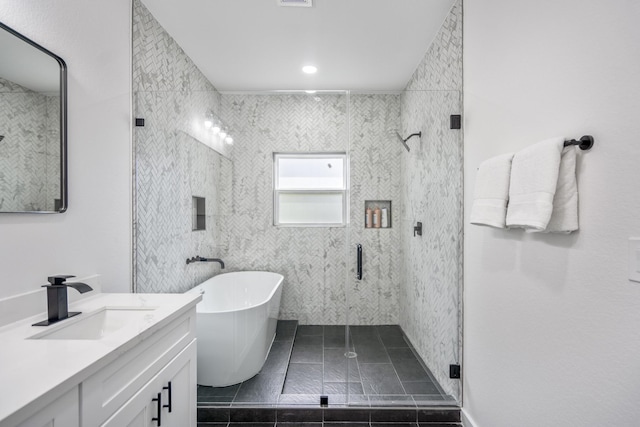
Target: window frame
x,y
315,191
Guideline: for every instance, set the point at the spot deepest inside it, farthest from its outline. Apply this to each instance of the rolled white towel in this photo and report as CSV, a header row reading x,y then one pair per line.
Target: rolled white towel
x,y
534,179
492,192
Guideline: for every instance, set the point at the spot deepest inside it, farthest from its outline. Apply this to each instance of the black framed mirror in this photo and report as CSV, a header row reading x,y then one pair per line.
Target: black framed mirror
x,y
33,126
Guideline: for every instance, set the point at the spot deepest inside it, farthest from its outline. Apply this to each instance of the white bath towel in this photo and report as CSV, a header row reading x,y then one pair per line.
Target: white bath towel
x,y
492,192
534,180
564,218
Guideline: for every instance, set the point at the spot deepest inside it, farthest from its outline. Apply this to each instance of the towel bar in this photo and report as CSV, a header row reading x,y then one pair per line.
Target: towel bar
x,y
585,143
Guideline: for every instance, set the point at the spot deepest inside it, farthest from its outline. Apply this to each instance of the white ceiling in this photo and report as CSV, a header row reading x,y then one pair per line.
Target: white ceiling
x,y
256,45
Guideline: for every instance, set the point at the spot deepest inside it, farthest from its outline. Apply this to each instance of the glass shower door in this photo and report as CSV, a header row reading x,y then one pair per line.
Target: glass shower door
x,y
305,136
404,306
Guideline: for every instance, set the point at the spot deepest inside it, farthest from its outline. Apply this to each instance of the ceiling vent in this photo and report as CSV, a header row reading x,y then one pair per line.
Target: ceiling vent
x,y
296,3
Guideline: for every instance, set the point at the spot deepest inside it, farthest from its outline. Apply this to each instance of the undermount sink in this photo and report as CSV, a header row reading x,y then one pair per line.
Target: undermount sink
x,y
95,325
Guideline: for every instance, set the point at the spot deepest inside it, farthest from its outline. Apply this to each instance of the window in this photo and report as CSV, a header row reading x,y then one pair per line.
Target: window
x,y
310,189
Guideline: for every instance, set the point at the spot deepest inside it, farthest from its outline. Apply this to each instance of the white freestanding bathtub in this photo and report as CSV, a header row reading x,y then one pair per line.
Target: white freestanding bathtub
x,y
236,324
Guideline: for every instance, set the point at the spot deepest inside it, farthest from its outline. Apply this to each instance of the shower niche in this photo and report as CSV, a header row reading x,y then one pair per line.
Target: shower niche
x,y
377,214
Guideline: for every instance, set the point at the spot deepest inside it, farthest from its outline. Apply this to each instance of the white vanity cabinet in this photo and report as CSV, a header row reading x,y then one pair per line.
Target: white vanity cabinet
x,y
140,387
64,411
154,405
111,380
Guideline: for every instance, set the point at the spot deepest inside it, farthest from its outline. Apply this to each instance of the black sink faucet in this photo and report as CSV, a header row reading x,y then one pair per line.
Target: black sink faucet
x,y
57,305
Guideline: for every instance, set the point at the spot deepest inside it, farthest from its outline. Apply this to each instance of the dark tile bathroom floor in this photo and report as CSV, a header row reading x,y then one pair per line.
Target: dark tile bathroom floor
x,y
307,361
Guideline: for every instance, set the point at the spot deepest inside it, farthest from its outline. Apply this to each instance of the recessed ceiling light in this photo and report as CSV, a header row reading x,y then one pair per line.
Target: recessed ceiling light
x,y
309,69
304,3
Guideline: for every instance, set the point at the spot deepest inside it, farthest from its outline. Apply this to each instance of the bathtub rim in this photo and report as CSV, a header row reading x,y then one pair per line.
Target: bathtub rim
x,y
269,297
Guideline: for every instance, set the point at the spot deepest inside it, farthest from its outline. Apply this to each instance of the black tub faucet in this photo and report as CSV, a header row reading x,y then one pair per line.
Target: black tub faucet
x,y
198,258
57,305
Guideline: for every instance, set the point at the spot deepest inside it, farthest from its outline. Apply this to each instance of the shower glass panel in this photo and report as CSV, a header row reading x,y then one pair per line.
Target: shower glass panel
x,y
405,311
291,215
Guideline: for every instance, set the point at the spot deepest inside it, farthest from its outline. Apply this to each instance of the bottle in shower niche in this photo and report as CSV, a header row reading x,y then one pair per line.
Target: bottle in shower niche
x,y
384,218
368,218
376,217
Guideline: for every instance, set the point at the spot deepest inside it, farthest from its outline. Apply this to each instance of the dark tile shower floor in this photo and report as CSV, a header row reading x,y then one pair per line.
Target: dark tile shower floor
x,y
307,361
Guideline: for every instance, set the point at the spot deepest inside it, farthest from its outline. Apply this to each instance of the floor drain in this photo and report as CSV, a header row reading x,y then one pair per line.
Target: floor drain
x,y
351,355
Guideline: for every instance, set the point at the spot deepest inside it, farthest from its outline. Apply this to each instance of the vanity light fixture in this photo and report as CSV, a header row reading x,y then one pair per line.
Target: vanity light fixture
x,y
311,92
309,69
217,127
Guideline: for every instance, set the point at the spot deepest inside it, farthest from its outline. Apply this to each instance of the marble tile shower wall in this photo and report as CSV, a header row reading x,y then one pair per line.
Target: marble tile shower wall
x,y
313,260
172,163
29,122
375,175
431,280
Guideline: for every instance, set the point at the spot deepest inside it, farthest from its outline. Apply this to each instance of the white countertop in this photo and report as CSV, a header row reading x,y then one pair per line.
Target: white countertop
x,y
31,368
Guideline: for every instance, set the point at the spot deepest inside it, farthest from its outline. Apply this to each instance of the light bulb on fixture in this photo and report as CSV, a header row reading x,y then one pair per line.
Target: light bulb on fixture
x,y
215,129
208,119
223,134
228,140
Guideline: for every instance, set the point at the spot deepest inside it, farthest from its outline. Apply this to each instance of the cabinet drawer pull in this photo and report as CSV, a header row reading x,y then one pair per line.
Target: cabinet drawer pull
x,y
168,388
159,418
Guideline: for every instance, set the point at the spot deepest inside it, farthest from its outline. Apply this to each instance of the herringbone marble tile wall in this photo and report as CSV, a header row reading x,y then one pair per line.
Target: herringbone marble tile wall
x,y
313,260
431,280
375,175
29,152
174,161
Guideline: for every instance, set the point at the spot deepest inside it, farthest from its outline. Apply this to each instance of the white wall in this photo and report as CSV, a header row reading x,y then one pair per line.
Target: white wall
x,y
93,236
552,325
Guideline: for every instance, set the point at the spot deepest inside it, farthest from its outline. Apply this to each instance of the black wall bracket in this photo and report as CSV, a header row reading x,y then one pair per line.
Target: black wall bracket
x,y
139,122
417,229
324,400
456,121
454,371
584,143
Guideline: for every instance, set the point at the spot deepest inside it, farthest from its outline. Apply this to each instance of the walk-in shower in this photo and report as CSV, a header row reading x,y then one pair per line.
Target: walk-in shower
x,y
309,177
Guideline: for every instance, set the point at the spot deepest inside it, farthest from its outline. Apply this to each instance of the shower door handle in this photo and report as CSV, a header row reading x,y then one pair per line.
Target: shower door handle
x,y
359,268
